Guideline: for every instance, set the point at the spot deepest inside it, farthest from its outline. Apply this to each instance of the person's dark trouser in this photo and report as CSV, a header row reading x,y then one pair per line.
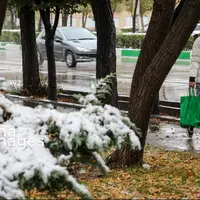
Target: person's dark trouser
x,y
198,89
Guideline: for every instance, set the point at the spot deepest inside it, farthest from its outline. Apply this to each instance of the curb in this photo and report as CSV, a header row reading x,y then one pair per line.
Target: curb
x,y
9,46
131,53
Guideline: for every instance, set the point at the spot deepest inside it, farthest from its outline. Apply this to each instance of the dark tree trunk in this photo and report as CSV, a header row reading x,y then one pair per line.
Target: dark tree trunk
x,y
12,19
3,7
155,74
142,22
71,20
148,79
40,24
134,15
64,18
49,43
106,43
52,85
156,107
84,19
31,78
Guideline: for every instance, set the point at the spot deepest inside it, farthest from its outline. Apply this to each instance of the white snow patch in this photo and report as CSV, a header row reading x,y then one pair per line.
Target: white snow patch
x,y
146,166
22,140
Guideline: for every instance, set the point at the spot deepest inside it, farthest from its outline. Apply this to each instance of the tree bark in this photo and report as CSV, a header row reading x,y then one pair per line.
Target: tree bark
x,y
31,78
106,43
161,47
164,11
12,21
49,43
64,18
157,70
40,24
84,19
142,22
134,15
3,7
52,85
71,20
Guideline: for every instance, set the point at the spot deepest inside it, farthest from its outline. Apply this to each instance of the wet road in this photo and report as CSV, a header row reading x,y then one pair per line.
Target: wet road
x,y
172,137
167,136
81,77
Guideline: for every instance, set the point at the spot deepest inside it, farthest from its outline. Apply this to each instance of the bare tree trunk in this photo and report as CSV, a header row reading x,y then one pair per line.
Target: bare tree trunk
x,y
64,18
106,43
3,7
142,22
12,17
31,78
154,65
83,19
160,66
40,24
156,107
134,15
71,20
49,43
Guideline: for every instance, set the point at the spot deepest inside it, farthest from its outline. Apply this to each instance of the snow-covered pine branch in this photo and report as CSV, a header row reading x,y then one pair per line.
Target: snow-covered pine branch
x,y
36,144
101,92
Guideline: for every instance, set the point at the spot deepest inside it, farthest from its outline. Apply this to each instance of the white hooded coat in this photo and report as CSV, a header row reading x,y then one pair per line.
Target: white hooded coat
x,y
195,61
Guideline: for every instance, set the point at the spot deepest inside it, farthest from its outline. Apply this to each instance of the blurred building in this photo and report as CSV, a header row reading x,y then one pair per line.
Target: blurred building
x,y
122,19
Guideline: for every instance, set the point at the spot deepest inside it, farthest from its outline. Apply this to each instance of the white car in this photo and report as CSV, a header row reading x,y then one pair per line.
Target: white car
x,y
196,31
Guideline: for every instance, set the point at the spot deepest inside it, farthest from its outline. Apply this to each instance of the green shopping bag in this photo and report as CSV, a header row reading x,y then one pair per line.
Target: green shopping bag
x,y
190,110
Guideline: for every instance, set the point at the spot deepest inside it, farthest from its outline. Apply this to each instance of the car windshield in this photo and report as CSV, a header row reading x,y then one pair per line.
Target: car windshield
x,y
78,34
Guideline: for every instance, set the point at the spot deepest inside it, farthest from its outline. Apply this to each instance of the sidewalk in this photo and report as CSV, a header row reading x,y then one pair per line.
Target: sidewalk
x,y
171,136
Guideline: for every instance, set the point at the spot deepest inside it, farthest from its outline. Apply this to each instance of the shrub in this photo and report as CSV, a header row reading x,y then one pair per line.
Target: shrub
x,y
12,36
123,40
126,30
129,41
38,144
134,41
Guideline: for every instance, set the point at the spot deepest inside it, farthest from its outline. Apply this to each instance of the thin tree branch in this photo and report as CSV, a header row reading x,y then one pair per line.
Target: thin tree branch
x,y
48,14
46,23
43,15
177,11
56,20
3,6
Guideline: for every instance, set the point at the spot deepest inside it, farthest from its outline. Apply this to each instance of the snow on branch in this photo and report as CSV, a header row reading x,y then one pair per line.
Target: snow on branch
x,y
37,144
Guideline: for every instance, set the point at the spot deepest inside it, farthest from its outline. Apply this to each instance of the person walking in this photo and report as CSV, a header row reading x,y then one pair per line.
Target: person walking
x,y
194,79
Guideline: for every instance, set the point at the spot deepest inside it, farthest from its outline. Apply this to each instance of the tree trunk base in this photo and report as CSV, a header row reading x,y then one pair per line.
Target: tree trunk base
x,y
124,157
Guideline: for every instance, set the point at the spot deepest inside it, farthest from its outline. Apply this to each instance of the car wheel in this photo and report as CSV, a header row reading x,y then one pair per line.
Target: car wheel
x,y
40,59
70,60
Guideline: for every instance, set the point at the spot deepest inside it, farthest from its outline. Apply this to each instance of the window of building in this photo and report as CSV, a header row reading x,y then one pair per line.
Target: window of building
x,y
89,23
73,21
116,20
129,21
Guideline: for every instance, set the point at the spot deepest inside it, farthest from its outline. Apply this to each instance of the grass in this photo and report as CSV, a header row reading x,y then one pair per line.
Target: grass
x,y
172,175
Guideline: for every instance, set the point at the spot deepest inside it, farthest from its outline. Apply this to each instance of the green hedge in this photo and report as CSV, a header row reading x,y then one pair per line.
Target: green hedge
x,y
129,41
12,36
122,40
126,30
135,41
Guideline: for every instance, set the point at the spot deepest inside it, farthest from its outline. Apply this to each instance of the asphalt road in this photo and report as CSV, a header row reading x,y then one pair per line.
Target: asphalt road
x,y
168,136
81,77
